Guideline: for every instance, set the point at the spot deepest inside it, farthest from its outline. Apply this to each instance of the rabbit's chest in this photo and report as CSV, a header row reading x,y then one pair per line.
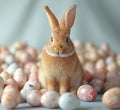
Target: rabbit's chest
x,y
59,66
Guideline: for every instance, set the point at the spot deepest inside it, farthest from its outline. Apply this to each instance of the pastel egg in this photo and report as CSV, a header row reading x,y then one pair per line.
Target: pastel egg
x,y
110,83
11,97
97,84
86,93
5,75
69,101
12,68
1,92
111,98
109,59
9,59
20,77
12,82
29,86
50,99
1,82
33,98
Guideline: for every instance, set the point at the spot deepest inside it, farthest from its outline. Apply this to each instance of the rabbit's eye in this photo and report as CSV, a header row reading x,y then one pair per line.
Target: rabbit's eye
x,y
51,39
66,39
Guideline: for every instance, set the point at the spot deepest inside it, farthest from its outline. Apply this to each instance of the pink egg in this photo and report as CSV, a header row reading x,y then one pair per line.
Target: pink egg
x,y
86,93
33,98
12,82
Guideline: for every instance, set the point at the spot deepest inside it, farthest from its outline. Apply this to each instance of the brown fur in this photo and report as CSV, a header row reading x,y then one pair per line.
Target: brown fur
x,y
61,69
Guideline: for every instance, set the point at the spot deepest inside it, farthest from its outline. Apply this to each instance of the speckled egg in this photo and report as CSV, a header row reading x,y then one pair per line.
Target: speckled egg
x,y
111,98
86,93
11,97
50,99
29,86
69,101
33,98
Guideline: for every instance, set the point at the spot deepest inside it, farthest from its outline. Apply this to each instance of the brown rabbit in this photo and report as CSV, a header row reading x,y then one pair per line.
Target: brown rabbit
x,y
60,68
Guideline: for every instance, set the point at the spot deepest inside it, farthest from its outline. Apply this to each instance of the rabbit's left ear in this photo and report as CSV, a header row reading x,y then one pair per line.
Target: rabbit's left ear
x,y
69,17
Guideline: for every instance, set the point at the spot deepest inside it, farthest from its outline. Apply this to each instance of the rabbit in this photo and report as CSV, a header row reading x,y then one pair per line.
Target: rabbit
x,y
60,69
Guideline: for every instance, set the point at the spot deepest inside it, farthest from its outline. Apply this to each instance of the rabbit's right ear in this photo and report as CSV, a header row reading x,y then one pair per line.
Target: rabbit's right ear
x,y
68,18
52,19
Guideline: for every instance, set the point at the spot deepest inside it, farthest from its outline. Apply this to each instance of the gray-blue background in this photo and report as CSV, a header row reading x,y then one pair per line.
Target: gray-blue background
x,y
25,20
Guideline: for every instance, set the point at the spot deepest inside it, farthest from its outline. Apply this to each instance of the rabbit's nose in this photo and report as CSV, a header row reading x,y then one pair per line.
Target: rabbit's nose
x,y
59,49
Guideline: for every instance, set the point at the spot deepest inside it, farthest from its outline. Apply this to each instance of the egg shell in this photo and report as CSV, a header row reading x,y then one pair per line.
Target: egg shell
x,y
2,83
90,68
12,82
69,101
20,77
24,57
29,86
1,92
109,59
12,68
111,98
27,67
97,84
11,97
33,98
32,84
100,76
113,66
86,93
112,74
50,99
87,76
32,52
5,75
110,83
100,64
9,59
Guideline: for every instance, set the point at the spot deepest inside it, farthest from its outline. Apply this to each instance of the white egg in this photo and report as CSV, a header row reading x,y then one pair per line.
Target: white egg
x,y
12,68
50,99
69,101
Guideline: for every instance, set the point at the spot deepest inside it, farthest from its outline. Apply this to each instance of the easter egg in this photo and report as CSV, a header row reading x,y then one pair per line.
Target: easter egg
x,y
33,98
69,101
111,98
86,93
11,97
50,99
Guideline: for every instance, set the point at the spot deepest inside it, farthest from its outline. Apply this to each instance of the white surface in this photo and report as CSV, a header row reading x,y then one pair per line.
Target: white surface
x,y
96,105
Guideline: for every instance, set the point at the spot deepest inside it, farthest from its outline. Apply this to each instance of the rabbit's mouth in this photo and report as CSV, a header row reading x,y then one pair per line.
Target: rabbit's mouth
x,y
59,54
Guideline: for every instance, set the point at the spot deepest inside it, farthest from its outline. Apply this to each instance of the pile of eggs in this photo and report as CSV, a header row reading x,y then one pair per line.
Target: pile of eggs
x,y
19,65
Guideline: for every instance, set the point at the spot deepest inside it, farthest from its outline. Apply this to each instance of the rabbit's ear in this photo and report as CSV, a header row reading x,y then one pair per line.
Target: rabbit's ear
x,y
52,19
69,17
